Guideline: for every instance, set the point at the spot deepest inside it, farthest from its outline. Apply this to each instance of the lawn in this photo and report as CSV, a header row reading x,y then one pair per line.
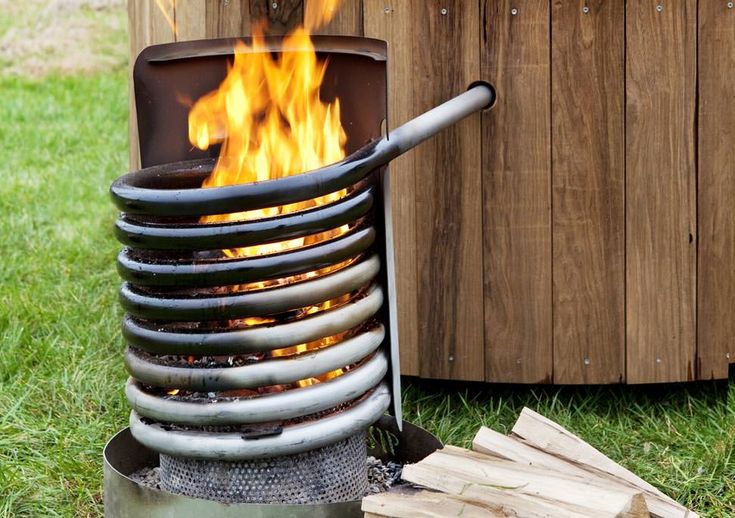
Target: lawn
x,y
61,371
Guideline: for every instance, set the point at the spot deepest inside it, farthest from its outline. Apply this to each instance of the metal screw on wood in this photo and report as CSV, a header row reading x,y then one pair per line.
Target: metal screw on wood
x,y
730,5
444,11
274,5
658,360
451,358
387,10
514,11
659,8
585,9
587,361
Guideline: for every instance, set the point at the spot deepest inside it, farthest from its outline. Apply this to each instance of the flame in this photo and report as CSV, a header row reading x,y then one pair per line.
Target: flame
x,y
319,13
268,115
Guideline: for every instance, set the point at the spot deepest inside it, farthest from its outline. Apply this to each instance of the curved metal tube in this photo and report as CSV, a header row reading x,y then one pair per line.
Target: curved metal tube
x,y
294,439
256,303
147,192
256,339
249,269
161,236
261,374
261,409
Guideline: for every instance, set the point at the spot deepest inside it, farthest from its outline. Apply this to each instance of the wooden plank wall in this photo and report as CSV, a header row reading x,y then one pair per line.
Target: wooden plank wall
x,y
516,181
588,189
582,231
716,190
661,219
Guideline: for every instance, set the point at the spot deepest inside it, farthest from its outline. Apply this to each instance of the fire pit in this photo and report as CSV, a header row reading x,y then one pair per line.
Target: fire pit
x,y
260,318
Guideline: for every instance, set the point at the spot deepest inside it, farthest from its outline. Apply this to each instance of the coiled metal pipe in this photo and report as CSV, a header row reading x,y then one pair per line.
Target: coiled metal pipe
x,y
192,327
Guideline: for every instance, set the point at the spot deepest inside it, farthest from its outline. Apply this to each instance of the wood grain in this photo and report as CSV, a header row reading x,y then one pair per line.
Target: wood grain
x,y
190,20
347,20
588,189
286,16
425,504
661,200
227,19
451,469
388,25
512,448
516,164
716,218
544,434
448,194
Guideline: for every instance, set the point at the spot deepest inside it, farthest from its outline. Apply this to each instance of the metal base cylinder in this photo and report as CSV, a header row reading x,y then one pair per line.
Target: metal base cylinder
x,y
334,473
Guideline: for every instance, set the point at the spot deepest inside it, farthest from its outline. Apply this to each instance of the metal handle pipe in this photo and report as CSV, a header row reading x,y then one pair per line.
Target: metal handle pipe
x,y
157,191
428,124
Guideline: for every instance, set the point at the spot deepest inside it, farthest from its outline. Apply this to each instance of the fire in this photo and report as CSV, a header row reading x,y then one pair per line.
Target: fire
x,y
271,122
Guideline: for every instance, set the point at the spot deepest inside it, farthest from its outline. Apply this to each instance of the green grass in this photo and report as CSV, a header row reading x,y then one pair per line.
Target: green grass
x,y
61,373
64,140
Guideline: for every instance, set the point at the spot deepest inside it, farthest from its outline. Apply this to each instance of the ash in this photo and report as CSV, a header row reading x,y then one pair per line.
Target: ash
x,y
381,476
148,477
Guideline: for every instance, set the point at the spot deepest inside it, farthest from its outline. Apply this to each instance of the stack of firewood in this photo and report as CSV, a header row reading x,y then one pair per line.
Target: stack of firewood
x,y
540,470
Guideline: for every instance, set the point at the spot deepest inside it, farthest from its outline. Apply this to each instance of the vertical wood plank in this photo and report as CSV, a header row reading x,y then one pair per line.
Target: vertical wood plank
x,y
161,17
516,163
448,194
716,274
281,19
660,190
147,25
346,21
382,21
588,190
227,19
190,20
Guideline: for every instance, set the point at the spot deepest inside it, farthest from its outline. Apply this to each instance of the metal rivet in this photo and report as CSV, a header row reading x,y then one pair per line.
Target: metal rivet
x,y
587,361
444,11
659,8
274,5
451,358
658,360
727,355
585,9
730,5
514,11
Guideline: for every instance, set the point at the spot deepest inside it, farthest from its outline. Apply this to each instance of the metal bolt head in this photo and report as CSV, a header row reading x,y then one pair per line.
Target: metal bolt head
x,y
587,361
659,8
730,5
514,11
274,5
585,9
444,11
727,355
658,360
451,357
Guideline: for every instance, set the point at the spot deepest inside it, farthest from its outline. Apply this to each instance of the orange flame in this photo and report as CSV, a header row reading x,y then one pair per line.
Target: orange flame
x,y
272,123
